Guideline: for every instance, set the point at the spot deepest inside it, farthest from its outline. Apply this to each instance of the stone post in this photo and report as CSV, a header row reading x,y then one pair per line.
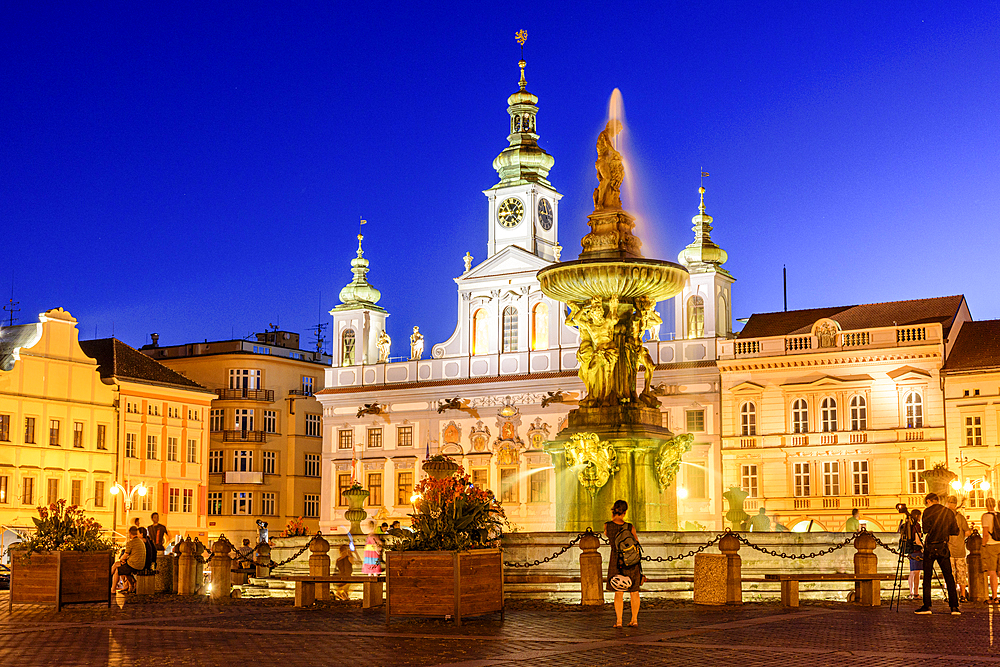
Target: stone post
x,y
186,568
175,569
866,562
730,546
263,560
591,572
319,565
977,581
222,566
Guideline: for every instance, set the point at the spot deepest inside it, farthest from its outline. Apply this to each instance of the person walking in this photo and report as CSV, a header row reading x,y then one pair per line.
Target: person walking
x,y
939,525
622,577
853,524
991,545
956,546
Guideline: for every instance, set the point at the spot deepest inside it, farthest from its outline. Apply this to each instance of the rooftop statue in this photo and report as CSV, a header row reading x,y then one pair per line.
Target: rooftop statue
x,y
610,169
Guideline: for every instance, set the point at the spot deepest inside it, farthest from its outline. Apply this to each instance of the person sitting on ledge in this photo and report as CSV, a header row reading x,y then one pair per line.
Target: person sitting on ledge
x,y
133,559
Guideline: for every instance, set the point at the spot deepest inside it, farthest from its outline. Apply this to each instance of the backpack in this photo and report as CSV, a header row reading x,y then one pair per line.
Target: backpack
x,y
628,548
995,528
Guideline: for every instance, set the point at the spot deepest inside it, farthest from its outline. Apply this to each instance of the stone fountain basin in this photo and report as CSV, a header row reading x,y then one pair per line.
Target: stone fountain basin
x,y
581,279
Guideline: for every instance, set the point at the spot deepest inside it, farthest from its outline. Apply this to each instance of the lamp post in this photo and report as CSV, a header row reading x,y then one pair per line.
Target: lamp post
x,y
128,495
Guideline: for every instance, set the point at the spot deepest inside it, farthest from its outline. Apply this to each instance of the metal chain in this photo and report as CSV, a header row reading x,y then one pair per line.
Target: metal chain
x,y
555,555
667,559
890,549
297,554
772,552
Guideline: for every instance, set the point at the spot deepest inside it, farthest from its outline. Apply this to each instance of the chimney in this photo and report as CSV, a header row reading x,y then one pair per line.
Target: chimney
x,y
155,337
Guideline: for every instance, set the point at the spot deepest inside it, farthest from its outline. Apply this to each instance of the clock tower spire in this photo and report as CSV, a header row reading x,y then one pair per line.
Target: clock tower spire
x,y
523,203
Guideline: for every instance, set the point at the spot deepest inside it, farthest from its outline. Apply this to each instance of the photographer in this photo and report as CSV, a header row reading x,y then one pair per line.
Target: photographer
x,y
939,526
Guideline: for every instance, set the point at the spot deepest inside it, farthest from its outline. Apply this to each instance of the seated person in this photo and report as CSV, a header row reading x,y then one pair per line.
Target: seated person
x,y
133,559
150,548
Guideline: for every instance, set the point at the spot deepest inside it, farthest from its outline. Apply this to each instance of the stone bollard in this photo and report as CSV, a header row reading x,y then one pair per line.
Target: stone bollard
x,y
591,572
222,566
263,556
730,546
868,593
977,578
319,565
175,569
186,568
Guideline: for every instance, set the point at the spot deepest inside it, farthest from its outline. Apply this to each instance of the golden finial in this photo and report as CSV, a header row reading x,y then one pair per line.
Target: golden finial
x,y
522,36
701,191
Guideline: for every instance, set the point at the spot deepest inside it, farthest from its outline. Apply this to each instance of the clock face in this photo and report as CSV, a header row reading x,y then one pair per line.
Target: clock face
x,y
545,214
510,212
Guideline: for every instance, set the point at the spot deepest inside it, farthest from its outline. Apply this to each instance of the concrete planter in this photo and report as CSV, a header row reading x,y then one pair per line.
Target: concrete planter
x,y
444,583
60,577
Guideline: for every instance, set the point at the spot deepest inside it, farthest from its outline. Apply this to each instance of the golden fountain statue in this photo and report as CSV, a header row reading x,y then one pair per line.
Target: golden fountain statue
x,y
611,292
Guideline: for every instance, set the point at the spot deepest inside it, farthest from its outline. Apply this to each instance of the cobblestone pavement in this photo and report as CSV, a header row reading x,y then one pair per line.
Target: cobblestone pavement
x,y
171,631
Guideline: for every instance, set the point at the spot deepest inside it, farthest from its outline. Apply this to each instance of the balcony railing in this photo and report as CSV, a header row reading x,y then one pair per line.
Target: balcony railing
x,y
244,477
244,436
300,392
266,395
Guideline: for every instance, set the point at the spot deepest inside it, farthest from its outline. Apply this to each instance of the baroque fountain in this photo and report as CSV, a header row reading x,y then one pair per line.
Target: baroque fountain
x,y
614,445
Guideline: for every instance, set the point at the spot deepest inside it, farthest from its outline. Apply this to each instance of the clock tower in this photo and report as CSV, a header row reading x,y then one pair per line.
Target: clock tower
x,y
523,206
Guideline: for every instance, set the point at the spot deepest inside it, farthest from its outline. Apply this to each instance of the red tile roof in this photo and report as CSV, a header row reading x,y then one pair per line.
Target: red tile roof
x,y
865,316
116,359
977,347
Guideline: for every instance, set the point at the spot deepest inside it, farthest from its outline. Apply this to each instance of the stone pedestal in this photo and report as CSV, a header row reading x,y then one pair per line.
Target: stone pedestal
x,y
222,566
187,566
710,578
319,565
591,571
866,562
729,545
164,574
977,580
263,560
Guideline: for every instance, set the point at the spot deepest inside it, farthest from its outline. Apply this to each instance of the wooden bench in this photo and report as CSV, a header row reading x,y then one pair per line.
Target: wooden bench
x,y
305,588
867,584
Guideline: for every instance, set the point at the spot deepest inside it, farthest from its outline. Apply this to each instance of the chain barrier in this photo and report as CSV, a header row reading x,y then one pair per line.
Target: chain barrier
x,y
296,555
667,559
539,561
772,552
889,548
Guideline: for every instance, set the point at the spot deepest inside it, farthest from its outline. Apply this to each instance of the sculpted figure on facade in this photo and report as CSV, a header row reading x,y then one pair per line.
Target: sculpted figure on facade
x,y
383,342
610,169
598,460
598,352
827,333
416,344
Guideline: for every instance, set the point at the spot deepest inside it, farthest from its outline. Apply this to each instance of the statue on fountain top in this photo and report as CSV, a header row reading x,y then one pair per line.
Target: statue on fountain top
x,y
610,169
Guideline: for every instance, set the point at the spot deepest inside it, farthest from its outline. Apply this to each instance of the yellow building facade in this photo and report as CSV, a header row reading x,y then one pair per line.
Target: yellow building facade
x,y
161,434
829,409
264,428
57,423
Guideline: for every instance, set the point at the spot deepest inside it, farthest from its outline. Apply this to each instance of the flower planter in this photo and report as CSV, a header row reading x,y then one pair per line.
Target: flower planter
x,y
444,583
60,577
938,480
440,469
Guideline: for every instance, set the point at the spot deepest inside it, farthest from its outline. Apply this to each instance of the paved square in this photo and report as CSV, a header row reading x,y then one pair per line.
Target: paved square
x,y
173,631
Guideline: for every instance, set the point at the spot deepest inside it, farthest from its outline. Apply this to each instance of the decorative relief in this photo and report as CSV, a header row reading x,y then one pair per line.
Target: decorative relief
x,y
515,399
826,331
377,464
537,433
479,438
452,434
597,459
508,446
668,458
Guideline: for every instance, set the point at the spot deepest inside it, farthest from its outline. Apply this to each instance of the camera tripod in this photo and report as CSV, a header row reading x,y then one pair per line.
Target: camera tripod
x,y
907,544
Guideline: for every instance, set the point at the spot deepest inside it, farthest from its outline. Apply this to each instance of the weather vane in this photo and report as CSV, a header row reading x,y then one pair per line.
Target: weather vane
x,y
363,222
521,36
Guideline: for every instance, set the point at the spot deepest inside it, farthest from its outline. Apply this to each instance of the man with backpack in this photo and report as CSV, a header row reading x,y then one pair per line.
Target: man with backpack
x,y
939,525
991,545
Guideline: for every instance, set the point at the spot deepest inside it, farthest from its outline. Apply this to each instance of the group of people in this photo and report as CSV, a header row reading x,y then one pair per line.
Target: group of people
x,y
372,560
937,535
139,553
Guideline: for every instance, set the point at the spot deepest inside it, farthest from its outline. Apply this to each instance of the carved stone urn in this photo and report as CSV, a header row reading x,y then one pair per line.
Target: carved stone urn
x,y
736,515
355,513
938,479
440,468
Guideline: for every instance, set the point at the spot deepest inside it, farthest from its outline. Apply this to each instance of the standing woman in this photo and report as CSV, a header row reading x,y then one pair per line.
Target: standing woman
x,y
615,569
372,563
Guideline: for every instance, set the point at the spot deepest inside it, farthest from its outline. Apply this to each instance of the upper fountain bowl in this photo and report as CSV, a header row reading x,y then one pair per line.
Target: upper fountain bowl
x,y
582,279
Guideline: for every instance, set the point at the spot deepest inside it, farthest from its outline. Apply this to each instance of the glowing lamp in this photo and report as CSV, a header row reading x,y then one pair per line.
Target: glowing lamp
x,y
682,493
967,486
955,484
114,490
415,497
985,486
141,489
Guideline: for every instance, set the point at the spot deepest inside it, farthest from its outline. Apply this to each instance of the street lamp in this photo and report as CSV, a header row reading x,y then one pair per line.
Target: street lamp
x,y
128,495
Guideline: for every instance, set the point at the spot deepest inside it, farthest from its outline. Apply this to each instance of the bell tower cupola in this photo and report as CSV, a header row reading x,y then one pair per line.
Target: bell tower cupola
x,y
358,320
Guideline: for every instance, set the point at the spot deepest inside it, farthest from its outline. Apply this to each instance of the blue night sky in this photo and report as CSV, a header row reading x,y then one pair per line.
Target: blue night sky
x,y
200,171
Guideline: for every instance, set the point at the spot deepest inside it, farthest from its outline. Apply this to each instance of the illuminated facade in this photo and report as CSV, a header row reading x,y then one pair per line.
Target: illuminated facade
x,y
484,395
829,409
264,426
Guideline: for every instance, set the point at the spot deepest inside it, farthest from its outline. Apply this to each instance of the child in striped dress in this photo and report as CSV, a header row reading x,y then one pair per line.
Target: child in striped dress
x,y
373,552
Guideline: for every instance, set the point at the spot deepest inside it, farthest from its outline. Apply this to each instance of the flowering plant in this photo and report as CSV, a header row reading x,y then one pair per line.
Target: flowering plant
x,y
452,515
295,528
62,527
356,486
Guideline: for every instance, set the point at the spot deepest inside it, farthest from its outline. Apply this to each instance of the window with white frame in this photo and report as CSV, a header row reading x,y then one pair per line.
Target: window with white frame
x,y
244,419
976,499
270,421
174,500
146,501
375,438
215,460
102,436
913,468
130,446
831,478
748,418
171,449
215,503
347,348
974,431
859,413
404,436
267,504
151,447
695,317
4,428
801,479
243,460
78,435
312,465
216,420
192,451
914,404
244,378
310,509
269,462
695,421
510,329
187,501
345,439
859,477
748,479
307,385
243,502
374,489
314,425
828,414
800,416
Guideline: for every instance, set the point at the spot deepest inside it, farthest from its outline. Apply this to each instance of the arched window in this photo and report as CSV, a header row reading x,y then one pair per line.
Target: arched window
x,y
722,317
480,332
828,414
510,329
748,418
347,348
540,327
914,410
696,317
800,416
517,123
859,414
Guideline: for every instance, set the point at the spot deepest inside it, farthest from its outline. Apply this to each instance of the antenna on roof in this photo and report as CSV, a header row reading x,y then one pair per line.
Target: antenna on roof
x,y
12,306
784,284
319,329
